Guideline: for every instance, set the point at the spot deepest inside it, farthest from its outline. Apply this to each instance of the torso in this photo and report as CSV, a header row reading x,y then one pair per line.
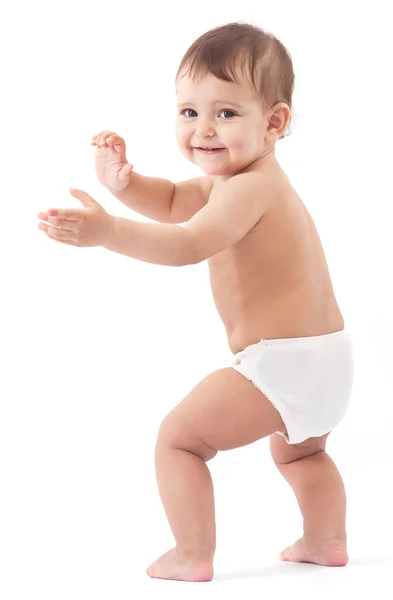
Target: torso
x,y
275,282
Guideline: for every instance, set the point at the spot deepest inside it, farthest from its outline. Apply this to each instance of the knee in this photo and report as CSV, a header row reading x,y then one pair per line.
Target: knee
x,y
168,431
281,462
283,453
175,434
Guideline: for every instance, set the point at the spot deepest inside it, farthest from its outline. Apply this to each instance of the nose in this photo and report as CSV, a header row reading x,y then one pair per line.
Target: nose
x,y
204,128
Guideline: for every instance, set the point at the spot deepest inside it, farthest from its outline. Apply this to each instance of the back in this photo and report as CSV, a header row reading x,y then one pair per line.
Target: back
x,y
275,282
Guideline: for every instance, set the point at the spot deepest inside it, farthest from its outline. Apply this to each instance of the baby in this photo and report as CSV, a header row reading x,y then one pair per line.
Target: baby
x,y
292,372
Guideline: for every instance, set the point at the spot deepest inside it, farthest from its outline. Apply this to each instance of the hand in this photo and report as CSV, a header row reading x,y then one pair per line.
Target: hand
x,y
89,226
112,168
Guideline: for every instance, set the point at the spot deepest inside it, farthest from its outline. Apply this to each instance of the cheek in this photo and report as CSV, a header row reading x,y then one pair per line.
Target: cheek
x,y
243,141
182,135
236,138
238,144
178,132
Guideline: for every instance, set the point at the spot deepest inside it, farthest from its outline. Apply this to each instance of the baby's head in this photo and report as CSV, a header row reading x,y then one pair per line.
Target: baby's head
x,y
234,91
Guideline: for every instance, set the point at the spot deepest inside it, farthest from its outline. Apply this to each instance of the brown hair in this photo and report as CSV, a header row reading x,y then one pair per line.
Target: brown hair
x,y
263,59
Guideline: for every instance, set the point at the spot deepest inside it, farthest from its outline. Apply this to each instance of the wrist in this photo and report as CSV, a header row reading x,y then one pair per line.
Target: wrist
x,y
109,234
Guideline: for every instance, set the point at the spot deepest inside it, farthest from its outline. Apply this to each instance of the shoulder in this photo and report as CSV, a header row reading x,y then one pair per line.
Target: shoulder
x,y
251,186
251,178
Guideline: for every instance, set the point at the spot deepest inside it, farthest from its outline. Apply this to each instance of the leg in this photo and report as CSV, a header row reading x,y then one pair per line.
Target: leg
x,y
222,412
320,493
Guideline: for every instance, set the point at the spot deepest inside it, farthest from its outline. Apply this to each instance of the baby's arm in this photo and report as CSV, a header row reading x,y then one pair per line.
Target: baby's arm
x,y
189,197
231,212
162,200
157,198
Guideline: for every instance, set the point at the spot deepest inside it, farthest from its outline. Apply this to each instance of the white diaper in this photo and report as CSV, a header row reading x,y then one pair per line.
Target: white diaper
x,y
308,380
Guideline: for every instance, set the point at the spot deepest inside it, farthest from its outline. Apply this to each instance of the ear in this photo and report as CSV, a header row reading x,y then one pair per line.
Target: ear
x,y
278,121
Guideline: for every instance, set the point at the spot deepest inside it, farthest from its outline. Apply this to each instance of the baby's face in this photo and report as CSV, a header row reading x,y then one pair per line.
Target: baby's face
x,y
221,115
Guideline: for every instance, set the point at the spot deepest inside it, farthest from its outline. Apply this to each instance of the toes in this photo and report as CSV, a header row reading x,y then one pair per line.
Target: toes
x,y
294,553
150,570
284,555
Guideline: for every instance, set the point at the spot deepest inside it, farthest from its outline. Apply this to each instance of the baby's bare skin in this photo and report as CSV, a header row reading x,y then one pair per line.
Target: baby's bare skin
x,y
275,282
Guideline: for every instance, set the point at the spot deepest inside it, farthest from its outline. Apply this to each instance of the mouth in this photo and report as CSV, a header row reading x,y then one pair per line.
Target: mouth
x,y
209,150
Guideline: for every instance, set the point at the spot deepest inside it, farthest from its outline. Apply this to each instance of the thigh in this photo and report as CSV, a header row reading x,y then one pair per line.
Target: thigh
x,y
223,411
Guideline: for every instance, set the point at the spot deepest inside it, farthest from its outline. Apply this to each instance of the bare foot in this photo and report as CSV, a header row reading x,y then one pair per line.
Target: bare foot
x,y
331,553
171,566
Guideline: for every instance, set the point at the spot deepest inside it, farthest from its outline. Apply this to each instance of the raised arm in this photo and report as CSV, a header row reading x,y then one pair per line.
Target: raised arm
x,y
163,201
189,197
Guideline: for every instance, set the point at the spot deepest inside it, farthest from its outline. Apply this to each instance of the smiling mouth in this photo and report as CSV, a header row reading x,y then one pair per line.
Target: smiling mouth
x,y
209,150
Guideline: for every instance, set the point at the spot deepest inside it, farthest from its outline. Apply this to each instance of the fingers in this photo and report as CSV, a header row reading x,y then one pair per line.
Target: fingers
x,y
109,138
125,173
48,218
73,214
99,139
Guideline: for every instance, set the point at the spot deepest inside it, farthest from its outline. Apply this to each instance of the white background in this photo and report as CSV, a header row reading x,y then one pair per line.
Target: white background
x,y
97,348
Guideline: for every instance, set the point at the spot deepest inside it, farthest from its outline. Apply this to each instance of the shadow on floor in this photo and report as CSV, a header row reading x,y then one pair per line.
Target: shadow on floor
x,y
288,568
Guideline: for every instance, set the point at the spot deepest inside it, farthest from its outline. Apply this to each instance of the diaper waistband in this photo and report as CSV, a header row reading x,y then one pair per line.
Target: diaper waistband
x,y
325,336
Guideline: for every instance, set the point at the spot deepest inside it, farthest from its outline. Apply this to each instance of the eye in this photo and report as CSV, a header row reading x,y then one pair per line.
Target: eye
x,y
183,112
231,113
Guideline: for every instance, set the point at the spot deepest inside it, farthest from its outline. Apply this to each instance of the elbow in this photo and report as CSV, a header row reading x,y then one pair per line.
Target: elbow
x,y
190,258
195,260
